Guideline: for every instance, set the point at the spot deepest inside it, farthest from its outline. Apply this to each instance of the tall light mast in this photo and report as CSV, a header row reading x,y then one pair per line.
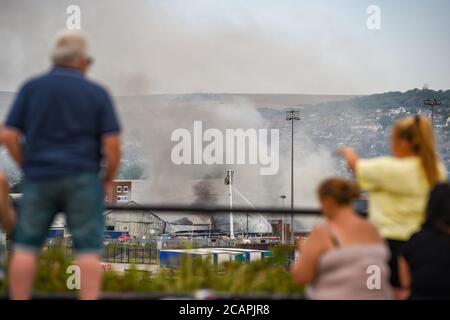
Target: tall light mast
x,y
229,182
291,116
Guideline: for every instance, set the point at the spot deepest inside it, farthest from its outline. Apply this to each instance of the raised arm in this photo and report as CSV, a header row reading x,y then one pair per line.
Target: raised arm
x,y
350,156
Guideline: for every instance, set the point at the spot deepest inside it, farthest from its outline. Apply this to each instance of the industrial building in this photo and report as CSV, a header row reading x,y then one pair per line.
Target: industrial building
x,y
138,224
141,225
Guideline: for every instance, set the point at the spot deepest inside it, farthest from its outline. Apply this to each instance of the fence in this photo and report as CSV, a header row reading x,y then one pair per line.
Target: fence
x,y
130,254
134,253
147,252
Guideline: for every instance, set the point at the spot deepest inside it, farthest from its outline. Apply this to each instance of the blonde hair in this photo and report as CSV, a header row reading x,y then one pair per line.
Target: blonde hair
x,y
418,131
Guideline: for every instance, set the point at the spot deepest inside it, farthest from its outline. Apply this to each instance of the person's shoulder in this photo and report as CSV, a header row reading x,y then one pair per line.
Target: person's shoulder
x,y
320,231
34,81
377,165
318,235
424,235
378,160
369,229
320,228
96,86
392,164
389,160
428,232
99,91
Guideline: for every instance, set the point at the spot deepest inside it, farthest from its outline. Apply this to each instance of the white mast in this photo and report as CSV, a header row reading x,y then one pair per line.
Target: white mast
x,y
229,182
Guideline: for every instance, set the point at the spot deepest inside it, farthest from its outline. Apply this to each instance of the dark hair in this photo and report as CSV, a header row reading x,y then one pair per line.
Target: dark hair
x,y
343,191
438,209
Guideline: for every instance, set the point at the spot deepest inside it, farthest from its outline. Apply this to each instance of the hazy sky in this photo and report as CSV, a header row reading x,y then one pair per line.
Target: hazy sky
x,y
246,46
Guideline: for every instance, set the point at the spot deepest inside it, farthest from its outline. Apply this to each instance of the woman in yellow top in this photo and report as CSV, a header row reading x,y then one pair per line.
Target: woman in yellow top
x,y
398,186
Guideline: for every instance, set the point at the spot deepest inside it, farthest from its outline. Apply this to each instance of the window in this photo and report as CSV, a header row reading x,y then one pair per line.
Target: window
x,y
119,189
122,198
125,189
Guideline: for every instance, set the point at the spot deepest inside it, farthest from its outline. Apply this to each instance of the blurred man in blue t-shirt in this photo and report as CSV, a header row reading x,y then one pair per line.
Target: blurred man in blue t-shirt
x,y
59,128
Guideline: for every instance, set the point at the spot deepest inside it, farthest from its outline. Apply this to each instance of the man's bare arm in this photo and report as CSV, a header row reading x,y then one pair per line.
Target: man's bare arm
x,y
11,138
111,147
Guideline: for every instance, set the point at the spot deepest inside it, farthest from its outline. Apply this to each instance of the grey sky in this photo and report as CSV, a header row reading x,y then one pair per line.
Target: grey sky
x,y
246,46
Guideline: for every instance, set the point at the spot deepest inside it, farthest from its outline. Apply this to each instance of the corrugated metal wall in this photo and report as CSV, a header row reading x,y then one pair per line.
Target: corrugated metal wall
x,y
138,224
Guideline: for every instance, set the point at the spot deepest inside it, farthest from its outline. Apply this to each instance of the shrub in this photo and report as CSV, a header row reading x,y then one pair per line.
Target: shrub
x,y
268,276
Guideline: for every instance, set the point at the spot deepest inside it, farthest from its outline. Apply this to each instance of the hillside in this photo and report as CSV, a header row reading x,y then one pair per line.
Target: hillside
x,y
412,98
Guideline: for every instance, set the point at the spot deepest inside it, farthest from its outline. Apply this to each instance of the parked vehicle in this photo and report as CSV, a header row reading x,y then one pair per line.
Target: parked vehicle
x,y
125,238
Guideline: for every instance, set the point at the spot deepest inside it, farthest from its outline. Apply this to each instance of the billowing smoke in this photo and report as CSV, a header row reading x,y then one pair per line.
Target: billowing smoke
x,y
155,118
178,46
150,47
151,120
204,195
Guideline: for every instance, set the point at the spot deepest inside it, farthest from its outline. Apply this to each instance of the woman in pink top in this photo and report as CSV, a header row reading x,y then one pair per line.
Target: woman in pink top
x,y
345,257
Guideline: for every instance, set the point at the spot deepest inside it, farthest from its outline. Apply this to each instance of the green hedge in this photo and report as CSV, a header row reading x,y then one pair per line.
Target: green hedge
x,y
267,276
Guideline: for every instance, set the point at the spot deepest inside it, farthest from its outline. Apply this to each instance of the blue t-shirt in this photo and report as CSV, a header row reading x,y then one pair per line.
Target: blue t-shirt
x,y
63,117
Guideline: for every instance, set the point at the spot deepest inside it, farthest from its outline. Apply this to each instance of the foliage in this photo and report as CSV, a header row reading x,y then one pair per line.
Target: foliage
x,y
52,270
266,276
51,275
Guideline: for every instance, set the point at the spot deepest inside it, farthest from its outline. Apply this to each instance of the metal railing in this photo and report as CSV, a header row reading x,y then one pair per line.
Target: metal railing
x,y
212,210
138,252
130,254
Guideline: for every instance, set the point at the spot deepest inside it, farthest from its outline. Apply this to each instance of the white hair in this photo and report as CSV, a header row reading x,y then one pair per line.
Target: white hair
x,y
68,48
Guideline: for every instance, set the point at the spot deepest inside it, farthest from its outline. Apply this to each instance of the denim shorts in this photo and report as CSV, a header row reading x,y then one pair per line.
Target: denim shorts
x,y
79,197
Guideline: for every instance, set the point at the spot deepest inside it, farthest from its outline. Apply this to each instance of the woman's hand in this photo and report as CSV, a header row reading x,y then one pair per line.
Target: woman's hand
x,y
350,156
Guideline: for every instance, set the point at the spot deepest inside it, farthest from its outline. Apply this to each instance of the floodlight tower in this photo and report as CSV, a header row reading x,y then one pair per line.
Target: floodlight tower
x,y
282,197
229,182
432,103
291,116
